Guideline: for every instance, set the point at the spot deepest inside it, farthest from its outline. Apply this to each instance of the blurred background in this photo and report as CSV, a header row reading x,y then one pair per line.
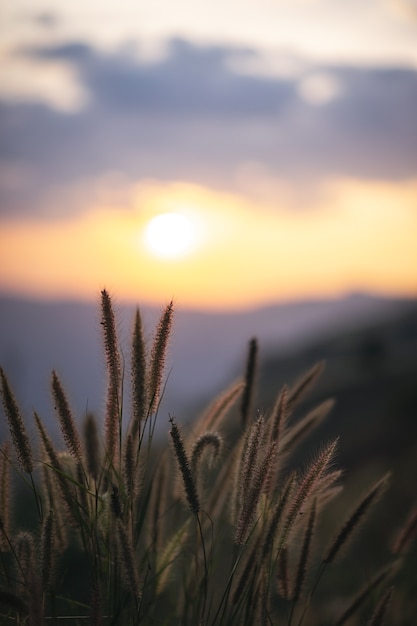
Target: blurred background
x,y
280,138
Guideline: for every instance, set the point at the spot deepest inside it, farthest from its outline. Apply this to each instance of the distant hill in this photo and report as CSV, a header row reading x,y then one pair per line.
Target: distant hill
x,y
371,372
207,350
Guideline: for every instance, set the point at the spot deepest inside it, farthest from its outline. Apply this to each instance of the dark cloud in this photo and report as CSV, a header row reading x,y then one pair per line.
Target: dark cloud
x,y
189,81
190,116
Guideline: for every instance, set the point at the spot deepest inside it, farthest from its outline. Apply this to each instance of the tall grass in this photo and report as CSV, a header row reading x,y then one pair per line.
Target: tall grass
x,y
216,527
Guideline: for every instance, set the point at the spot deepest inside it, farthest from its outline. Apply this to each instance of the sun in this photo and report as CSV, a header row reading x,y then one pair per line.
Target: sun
x,y
170,235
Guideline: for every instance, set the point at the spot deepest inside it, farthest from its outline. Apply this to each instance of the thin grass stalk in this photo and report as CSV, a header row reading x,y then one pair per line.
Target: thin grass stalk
x,y
303,561
17,428
363,595
5,499
25,550
354,520
169,555
303,385
191,496
96,609
49,490
138,377
326,494
218,498
219,407
128,560
406,534
48,550
250,375
158,356
222,606
345,534
283,575
276,423
129,469
249,572
279,415
15,604
299,431
270,534
112,419
66,421
157,504
59,473
82,489
378,616
260,612
328,482
268,543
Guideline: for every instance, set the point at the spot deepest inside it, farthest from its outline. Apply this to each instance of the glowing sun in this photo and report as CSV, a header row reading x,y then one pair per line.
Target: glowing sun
x,y
169,235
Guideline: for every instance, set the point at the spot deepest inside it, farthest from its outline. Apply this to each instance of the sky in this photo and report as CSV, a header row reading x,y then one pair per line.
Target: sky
x,y
284,133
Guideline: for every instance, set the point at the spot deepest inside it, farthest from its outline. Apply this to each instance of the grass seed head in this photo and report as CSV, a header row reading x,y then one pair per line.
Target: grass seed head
x,y
17,428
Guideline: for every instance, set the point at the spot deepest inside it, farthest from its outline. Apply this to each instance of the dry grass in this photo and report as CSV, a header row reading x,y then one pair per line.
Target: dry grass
x,y
217,529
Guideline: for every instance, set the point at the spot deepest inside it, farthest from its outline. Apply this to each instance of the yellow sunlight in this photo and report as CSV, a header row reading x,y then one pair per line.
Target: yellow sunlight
x,y
358,236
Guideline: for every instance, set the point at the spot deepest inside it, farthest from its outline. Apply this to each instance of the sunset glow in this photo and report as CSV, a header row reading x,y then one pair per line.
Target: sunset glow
x,y
162,154
357,237
169,235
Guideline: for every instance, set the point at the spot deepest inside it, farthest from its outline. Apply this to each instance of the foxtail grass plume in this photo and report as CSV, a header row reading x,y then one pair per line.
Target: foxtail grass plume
x,y
158,355
111,349
207,440
4,497
250,453
17,428
92,446
66,421
252,495
279,415
184,467
311,478
138,375
107,508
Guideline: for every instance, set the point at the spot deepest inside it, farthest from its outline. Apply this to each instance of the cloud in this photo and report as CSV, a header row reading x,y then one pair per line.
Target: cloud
x,y
191,116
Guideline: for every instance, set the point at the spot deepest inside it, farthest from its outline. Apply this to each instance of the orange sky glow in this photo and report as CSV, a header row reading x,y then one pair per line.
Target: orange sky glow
x,y
358,236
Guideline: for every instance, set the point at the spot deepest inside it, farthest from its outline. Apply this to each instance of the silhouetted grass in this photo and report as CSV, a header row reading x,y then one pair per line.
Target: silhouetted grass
x,y
216,529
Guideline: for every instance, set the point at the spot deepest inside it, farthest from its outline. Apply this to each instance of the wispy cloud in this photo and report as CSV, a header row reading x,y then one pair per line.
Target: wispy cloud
x,y
192,116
